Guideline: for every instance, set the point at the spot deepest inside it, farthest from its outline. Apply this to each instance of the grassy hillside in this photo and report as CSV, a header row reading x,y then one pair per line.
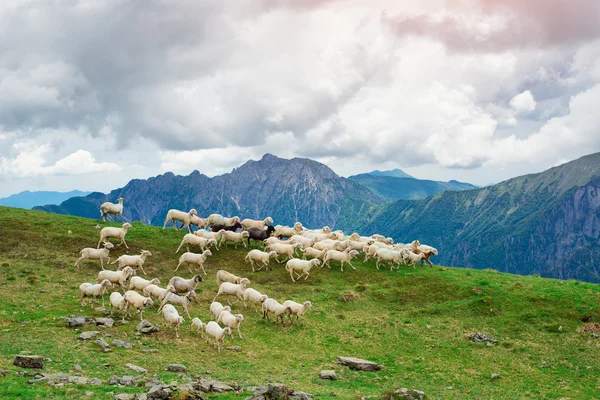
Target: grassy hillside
x,y
413,321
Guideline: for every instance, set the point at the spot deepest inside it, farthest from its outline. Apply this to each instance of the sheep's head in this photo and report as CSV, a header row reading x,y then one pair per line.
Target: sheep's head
x,y
127,225
120,200
106,282
326,229
435,252
239,317
148,302
129,271
146,253
193,212
268,221
307,305
272,254
244,281
227,331
415,243
226,308
316,261
192,296
211,242
353,253
263,298
245,234
197,278
108,245
270,229
298,226
389,241
155,281
354,236
208,252
180,320
171,288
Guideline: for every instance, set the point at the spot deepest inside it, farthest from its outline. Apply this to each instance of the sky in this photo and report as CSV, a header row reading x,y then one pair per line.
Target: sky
x,y
95,93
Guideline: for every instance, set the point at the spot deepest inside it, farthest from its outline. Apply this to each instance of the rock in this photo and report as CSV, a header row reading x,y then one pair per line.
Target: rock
x,y
128,380
146,327
122,343
75,321
135,368
29,361
190,392
234,348
277,391
96,382
88,335
407,394
358,364
148,351
220,387
124,396
176,368
495,376
108,322
77,368
481,337
328,374
160,392
103,345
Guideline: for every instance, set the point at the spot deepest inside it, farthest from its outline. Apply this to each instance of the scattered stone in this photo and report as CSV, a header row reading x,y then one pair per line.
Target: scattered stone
x,y
75,321
100,309
128,380
103,345
77,368
328,374
234,348
146,327
122,344
148,351
481,337
96,382
406,394
88,335
135,368
495,376
176,368
189,391
280,391
358,364
22,361
160,392
62,379
125,396
108,322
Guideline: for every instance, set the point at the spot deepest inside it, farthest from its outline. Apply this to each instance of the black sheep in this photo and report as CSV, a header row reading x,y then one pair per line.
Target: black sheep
x,y
234,227
260,234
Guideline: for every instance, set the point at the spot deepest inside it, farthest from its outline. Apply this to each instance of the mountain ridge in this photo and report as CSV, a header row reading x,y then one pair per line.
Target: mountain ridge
x,y
29,199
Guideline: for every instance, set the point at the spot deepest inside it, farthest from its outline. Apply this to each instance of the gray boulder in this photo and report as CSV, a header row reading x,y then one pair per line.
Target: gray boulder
x,y
176,368
359,364
103,345
88,335
122,343
29,361
135,368
108,322
328,374
75,321
146,327
406,394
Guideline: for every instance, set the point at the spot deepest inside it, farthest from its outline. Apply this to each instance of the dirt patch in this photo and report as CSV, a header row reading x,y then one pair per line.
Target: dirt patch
x,y
592,327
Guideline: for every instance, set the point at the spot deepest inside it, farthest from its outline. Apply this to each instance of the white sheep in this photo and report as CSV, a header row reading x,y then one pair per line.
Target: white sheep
x,y
303,240
216,308
261,258
218,219
358,245
216,332
224,276
198,221
138,283
370,251
231,321
273,240
173,318
184,217
233,237
252,223
341,256
111,232
253,296
157,292
177,300
279,310
116,277
327,244
287,250
138,302
412,258
300,267
286,231
313,253
93,290
233,289
297,309
117,301
382,239
96,254
182,285
391,256
111,208
133,261
198,325
193,258
195,240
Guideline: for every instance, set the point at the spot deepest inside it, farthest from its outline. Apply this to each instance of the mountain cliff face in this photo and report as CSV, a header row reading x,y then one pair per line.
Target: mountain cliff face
x,y
547,223
287,190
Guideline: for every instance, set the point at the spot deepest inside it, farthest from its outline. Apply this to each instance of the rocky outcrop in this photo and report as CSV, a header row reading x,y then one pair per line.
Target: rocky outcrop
x,y
359,364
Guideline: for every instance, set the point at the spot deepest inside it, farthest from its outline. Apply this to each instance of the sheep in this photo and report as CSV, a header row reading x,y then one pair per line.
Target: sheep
x,y
317,236
391,256
313,253
303,240
259,233
96,254
358,245
259,257
199,222
184,217
233,289
286,231
427,255
370,251
230,320
218,219
273,240
117,301
111,232
111,208
411,258
214,330
233,227
93,290
181,285
133,261
157,292
224,276
279,310
300,267
138,302
116,277
427,252
198,325
173,318
139,283
297,309
253,296
382,239
327,244
216,308
195,240
193,258
209,235
228,236
341,256
252,223
287,250
183,301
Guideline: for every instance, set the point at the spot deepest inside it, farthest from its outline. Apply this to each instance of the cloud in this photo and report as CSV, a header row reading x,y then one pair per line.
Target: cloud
x,y
523,102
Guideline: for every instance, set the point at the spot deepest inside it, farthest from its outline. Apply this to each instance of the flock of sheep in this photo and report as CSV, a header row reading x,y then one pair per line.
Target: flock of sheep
x,y
317,247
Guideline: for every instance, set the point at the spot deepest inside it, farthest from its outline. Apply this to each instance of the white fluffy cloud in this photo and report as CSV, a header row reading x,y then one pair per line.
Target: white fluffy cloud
x,y
523,102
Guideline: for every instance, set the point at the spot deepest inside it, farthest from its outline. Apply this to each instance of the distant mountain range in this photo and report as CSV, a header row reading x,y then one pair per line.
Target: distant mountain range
x,y
396,173
29,199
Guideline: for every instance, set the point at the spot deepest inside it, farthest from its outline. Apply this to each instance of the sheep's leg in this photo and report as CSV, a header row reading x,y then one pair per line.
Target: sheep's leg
x,y
306,275
78,260
179,248
141,314
123,242
342,266
291,275
290,318
187,312
142,268
103,302
353,267
377,263
178,265
165,224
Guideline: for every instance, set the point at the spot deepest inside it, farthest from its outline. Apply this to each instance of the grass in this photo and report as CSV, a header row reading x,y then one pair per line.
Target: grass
x,y
413,321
